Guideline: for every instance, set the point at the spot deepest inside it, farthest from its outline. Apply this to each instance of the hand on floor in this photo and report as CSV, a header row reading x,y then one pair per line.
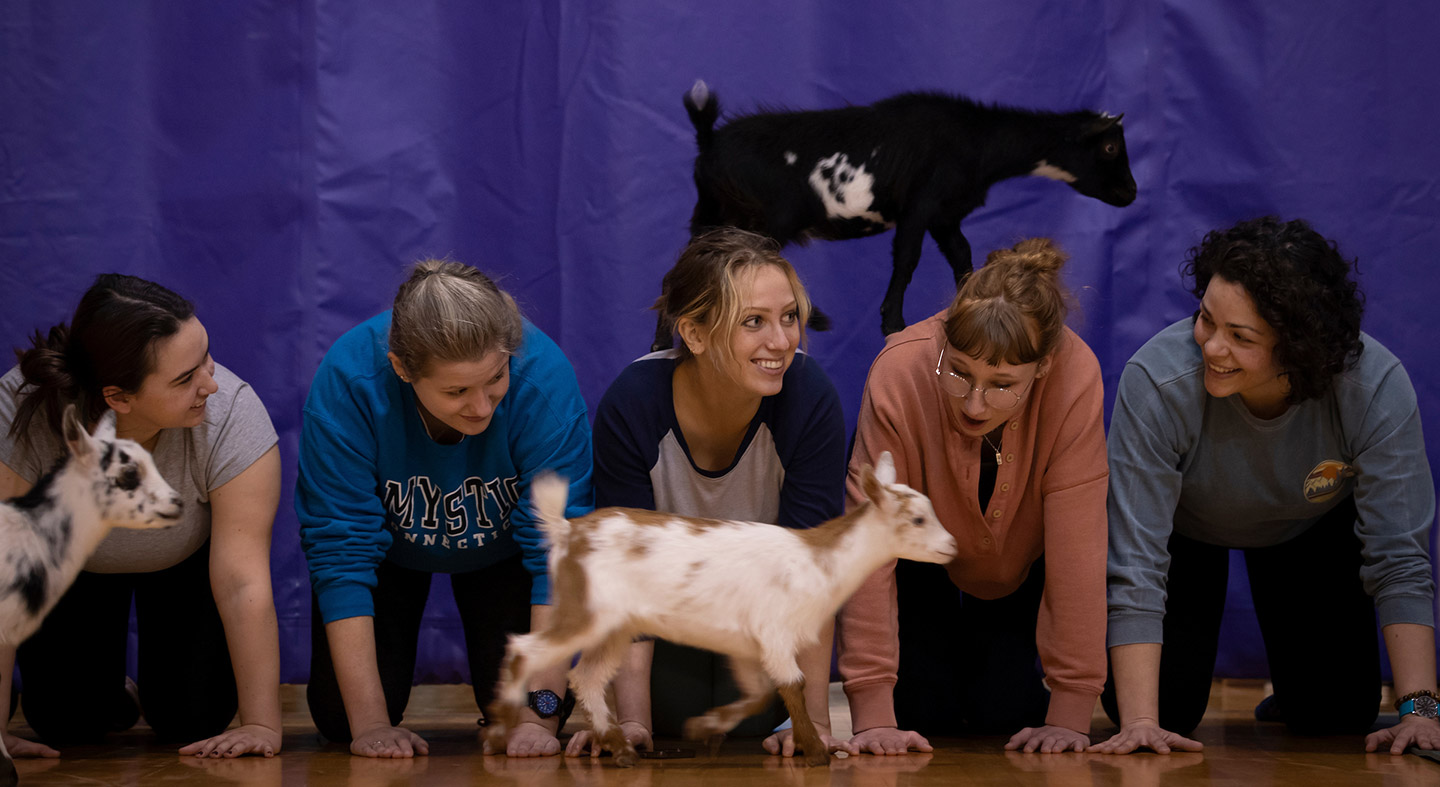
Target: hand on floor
x,y
1048,739
633,731
19,747
889,740
1146,734
389,742
245,739
528,739
783,743
1411,731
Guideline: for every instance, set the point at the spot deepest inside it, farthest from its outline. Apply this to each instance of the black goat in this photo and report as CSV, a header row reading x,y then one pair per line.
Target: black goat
x,y
915,162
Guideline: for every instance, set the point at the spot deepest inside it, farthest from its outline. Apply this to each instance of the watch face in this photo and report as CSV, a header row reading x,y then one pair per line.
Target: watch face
x,y
544,702
1426,706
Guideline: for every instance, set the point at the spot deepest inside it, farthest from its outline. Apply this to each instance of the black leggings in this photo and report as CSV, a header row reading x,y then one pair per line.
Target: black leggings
x,y
493,602
967,665
73,668
1316,620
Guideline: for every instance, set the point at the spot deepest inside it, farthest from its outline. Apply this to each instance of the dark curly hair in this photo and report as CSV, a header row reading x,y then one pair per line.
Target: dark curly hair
x,y
1301,286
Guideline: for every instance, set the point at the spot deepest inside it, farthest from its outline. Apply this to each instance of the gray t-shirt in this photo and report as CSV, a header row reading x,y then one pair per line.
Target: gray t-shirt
x,y
1181,459
749,491
195,461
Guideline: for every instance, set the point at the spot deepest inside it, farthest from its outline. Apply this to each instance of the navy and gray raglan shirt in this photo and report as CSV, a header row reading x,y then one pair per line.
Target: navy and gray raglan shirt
x,y
790,469
1208,469
373,486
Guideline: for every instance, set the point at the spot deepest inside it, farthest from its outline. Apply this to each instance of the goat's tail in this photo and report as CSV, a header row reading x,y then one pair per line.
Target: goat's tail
x,y
704,110
548,494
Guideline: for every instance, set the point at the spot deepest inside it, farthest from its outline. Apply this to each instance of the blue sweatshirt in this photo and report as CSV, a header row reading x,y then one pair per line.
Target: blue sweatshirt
x,y
373,486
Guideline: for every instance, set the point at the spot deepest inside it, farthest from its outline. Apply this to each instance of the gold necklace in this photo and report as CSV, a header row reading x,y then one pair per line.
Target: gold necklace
x,y
994,447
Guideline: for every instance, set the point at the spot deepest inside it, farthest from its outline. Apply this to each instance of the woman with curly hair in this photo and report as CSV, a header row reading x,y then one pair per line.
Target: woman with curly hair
x,y
1270,423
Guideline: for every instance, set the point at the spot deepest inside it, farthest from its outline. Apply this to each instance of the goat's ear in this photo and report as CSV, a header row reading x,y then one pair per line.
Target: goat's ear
x,y
1102,124
871,486
885,469
76,438
873,481
105,427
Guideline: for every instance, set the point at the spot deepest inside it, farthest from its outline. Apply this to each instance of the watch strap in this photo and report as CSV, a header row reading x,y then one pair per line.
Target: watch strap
x,y
1416,695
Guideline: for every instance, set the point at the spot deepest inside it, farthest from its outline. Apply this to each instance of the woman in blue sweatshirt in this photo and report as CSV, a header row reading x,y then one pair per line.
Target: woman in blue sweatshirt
x,y
423,429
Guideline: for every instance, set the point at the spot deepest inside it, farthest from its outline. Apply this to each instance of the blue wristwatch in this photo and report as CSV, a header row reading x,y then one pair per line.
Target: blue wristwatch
x,y
545,703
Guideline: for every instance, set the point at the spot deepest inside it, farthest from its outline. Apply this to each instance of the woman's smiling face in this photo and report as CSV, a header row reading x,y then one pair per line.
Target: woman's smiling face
x,y
1239,349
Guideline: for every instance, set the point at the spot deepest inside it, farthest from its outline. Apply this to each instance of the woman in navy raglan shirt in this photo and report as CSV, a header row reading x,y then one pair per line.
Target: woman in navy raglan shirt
x,y
423,429
733,424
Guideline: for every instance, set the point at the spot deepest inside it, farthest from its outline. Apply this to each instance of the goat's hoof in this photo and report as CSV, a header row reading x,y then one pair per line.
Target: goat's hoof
x,y
495,739
816,760
698,728
627,758
712,744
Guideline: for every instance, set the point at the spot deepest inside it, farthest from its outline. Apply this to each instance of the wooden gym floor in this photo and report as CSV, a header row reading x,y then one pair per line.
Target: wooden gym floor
x,y
1238,751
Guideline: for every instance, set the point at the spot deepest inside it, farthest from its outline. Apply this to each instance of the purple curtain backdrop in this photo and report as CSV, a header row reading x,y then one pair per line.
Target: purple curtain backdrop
x,y
279,163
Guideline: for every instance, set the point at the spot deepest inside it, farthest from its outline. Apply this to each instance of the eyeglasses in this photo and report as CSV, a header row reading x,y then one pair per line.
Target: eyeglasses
x,y
960,386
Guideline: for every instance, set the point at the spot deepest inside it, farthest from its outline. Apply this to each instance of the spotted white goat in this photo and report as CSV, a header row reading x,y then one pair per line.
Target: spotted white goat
x,y
48,534
754,592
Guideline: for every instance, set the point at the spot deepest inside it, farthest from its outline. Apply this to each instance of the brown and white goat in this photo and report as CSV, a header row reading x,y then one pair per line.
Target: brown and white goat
x,y
47,534
754,592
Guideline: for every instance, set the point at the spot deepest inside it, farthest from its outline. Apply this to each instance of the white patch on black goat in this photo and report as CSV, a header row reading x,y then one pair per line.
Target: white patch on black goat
x,y
755,592
47,534
790,158
1046,170
845,189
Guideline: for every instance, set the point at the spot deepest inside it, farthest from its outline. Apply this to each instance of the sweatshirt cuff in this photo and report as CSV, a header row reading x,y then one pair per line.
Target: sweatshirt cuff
x,y
540,589
872,705
345,601
1406,609
1071,709
1136,627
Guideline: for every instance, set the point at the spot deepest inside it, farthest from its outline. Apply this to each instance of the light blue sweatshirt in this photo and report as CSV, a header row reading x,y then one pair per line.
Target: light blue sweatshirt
x,y
1215,473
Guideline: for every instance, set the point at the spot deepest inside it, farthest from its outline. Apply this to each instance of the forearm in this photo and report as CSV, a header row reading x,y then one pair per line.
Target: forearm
x,y
1412,656
1135,669
632,684
352,651
553,678
815,664
248,614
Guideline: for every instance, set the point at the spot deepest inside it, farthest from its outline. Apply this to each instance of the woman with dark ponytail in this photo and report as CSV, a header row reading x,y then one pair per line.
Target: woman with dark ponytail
x,y
201,588
993,409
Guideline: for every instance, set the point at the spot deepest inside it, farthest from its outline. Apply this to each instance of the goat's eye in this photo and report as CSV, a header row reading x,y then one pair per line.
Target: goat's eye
x,y
919,520
128,479
1111,150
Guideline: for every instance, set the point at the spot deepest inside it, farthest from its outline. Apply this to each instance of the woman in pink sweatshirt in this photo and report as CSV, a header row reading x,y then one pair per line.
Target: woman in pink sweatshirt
x,y
993,409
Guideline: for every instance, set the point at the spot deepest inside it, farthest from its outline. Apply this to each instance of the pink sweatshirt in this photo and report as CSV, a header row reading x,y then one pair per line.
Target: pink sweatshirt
x,y
1049,499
